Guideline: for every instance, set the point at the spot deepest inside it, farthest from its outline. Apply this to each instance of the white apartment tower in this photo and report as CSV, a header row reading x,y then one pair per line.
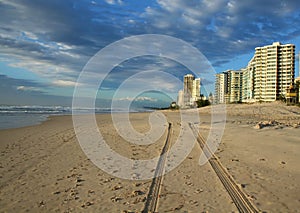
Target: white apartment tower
x,y
274,71
188,87
196,89
235,86
220,88
191,90
266,78
248,82
228,87
180,98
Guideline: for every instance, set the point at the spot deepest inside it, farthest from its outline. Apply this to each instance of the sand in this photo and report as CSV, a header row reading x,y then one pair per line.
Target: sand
x,y
43,167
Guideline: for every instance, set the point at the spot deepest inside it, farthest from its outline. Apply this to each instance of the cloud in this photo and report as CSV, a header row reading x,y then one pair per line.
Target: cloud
x,y
64,83
223,29
114,1
55,39
141,98
18,91
68,33
26,88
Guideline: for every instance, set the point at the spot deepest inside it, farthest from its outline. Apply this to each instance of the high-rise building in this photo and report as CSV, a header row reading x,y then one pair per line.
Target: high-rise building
x,y
221,88
196,89
297,86
267,77
235,85
248,82
228,87
188,87
191,91
274,71
180,98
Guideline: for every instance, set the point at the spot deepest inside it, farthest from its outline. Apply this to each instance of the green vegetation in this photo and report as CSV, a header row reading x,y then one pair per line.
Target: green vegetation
x,y
174,106
203,103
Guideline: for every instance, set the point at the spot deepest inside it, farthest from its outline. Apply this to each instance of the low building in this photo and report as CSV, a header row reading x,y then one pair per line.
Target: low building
x,y
297,87
291,95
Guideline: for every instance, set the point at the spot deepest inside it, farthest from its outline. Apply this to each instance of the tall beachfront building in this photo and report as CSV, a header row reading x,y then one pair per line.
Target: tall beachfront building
x,y
188,83
266,78
196,89
274,71
228,87
221,88
191,91
235,85
248,82
180,98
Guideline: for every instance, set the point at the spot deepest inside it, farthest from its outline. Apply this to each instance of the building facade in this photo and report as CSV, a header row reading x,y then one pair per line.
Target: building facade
x,y
188,87
235,86
274,71
228,87
180,98
220,88
266,78
191,91
196,89
248,82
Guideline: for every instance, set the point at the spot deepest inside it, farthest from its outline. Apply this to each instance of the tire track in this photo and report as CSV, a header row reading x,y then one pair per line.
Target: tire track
x,y
239,197
151,204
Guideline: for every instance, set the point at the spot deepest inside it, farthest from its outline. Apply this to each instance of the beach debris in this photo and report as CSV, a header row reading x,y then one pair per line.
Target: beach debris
x,y
237,160
276,124
263,124
257,126
56,192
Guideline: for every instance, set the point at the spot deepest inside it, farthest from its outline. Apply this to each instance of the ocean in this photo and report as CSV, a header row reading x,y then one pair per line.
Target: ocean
x,y
21,116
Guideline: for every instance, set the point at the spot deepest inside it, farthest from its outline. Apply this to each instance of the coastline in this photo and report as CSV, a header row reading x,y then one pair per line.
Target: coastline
x,y
43,167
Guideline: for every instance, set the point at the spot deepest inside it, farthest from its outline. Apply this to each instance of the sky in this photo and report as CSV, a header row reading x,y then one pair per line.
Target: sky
x,y
45,45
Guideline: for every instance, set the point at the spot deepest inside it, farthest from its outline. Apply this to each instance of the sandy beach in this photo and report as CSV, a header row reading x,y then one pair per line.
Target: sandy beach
x,y
43,168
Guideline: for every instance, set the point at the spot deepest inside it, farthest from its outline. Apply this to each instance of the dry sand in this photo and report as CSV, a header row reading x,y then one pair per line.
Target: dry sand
x,y
42,168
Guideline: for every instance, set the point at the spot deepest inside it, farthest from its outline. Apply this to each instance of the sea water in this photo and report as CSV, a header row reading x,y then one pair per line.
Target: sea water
x,y
21,116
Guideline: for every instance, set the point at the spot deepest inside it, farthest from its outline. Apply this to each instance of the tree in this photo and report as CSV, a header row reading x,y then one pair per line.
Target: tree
x,y
202,103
